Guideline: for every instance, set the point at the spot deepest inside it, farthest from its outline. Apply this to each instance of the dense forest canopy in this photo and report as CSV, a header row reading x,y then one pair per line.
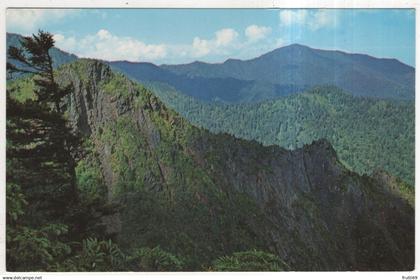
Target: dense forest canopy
x,y
369,134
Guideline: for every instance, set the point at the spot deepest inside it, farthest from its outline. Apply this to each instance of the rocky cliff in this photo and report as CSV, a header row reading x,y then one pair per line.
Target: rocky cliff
x,y
203,195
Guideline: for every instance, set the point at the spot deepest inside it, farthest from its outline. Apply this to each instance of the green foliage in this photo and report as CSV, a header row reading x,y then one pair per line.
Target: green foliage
x,y
161,187
153,259
80,69
252,260
118,85
41,145
38,161
407,192
22,89
47,213
368,134
59,57
90,180
33,56
15,201
96,255
38,248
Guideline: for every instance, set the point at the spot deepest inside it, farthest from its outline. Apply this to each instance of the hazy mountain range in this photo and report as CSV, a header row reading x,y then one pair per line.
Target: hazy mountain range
x,y
280,72
360,75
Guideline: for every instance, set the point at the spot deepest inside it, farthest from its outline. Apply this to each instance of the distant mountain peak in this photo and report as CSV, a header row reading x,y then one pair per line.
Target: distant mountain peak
x,y
296,45
303,66
232,60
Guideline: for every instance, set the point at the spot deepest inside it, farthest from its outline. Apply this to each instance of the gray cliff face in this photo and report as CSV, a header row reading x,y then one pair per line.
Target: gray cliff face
x,y
90,107
317,214
321,213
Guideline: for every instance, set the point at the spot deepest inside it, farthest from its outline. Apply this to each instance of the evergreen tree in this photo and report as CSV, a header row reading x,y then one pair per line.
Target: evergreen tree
x,y
41,142
44,211
34,56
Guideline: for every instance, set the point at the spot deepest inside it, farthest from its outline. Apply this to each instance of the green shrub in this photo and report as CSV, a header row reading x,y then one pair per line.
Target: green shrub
x,y
155,259
252,260
96,255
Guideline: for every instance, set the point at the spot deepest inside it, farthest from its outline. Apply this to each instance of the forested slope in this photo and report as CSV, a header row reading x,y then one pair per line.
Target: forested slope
x,y
204,195
368,133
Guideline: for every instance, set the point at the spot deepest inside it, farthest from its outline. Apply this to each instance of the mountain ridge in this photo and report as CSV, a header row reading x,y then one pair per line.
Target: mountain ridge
x,y
297,45
226,89
368,133
293,45
10,35
358,74
304,205
283,71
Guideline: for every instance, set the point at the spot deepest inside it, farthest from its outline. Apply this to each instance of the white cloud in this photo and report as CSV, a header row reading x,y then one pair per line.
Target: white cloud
x,y
69,43
224,39
29,20
200,47
289,17
313,19
104,34
225,42
226,36
105,45
255,33
323,18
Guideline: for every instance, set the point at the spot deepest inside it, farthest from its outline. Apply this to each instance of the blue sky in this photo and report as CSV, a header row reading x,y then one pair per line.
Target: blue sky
x,y
213,35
